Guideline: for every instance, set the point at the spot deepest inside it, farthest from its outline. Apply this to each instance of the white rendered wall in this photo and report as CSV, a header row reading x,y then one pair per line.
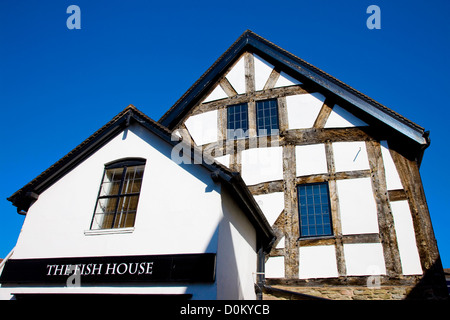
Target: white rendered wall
x,y
55,225
310,159
350,156
406,238
341,118
237,258
393,181
271,204
262,164
317,262
203,127
303,109
357,206
362,259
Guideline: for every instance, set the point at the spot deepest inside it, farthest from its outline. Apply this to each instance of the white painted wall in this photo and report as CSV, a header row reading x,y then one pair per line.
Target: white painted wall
x,y
262,164
317,262
236,76
263,69
237,258
393,181
180,210
64,211
350,156
310,159
341,118
271,204
362,259
303,109
357,206
406,238
203,127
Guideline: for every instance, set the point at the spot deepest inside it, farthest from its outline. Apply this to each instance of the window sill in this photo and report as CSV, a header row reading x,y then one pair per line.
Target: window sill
x,y
108,231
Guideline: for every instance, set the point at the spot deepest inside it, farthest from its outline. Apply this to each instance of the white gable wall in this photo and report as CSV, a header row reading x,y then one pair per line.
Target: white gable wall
x,y
237,238
65,210
180,211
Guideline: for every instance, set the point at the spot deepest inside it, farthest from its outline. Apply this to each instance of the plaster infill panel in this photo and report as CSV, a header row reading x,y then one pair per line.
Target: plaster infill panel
x,y
310,159
364,259
303,109
203,127
350,156
357,206
271,204
317,262
262,164
236,76
406,238
393,181
341,118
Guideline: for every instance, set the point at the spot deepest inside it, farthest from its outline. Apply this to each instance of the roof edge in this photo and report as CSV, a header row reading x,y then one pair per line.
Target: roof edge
x,y
250,39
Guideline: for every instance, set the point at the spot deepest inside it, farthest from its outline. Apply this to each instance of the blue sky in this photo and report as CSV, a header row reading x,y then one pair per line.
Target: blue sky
x,y
58,86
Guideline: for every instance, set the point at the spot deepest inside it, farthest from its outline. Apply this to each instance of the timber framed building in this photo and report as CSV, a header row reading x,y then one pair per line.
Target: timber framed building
x,y
335,172
341,209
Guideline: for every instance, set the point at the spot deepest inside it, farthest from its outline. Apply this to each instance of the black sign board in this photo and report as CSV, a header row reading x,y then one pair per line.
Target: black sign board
x,y
150,268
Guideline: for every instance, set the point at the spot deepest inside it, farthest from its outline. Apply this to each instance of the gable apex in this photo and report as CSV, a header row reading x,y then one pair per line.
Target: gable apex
x,y
251,42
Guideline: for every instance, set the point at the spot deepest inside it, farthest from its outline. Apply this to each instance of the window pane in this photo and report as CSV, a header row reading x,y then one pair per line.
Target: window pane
x,y
104,213
314,210
127,206
133,180
111,182
237,125
267,117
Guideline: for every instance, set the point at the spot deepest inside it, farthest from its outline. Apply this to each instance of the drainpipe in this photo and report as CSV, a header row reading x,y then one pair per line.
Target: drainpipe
x,y
260,274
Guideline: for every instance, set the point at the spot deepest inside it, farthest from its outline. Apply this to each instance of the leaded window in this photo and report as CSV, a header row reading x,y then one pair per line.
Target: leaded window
x,y
314,209
267,117
237,121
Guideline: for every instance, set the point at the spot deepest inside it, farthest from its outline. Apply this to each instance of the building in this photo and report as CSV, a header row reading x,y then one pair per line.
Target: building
x,y
337,208
118,216
335,172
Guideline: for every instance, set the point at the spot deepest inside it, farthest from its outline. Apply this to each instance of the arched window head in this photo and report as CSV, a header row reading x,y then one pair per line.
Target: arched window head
x,y
118,196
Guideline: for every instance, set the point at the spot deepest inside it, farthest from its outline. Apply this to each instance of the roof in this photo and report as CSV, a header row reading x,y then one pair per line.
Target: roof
x,y
249,41
24,197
